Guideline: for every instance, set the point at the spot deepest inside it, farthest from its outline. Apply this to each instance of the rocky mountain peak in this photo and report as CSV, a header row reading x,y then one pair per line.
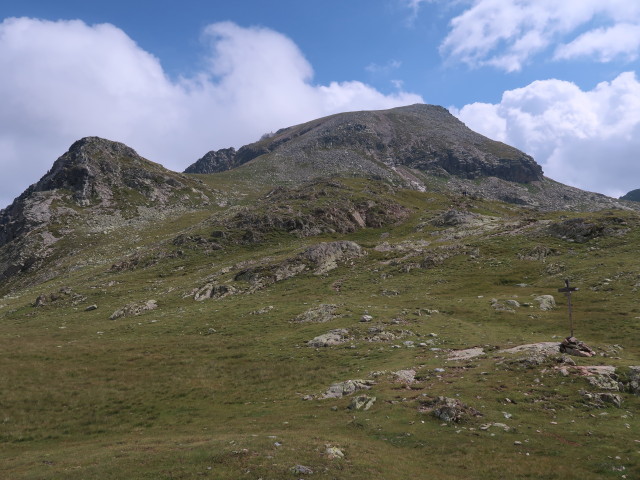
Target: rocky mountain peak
x,y
374,144
92,166
95,179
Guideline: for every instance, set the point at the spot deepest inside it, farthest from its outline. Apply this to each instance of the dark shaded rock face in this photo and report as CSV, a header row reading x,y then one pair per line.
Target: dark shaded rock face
x,y
422,137
217,161
214,161
633,196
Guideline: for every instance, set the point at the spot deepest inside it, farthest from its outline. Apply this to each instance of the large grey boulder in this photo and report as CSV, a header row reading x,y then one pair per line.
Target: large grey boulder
x,y
546,302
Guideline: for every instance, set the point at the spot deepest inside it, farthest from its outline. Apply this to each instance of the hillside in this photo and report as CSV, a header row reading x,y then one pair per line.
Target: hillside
x,y
422,147
347,325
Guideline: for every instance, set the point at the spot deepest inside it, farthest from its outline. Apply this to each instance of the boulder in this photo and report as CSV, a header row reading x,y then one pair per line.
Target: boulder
x,y
405,376
467,354
301,470
320,314
214,291
341,389
362,402
334,452
546,302
602,399
134,309
330,339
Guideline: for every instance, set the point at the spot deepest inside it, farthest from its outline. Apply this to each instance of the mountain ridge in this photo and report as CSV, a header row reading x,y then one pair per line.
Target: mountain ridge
x,y
422,137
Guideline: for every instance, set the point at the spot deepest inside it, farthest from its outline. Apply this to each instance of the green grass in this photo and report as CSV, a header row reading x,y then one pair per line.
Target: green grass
x,y
161,396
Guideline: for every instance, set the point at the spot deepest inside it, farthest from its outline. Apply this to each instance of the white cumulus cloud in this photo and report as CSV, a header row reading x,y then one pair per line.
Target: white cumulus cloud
x,y
64,80
506,33
589,139
605,44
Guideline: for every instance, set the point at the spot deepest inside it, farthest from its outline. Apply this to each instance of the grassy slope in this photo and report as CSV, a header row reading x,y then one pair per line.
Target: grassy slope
x,y
160,396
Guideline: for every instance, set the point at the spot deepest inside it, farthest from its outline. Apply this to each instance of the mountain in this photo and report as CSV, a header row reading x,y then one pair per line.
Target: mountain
x,y
100,184
343,323
422,137
633,196
423,147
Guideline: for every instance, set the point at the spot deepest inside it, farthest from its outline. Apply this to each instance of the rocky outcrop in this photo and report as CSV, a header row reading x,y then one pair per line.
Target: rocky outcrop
x,y
573,346
134,309
545,302
320,314
581,230
449,409
316,208
341,389
325,256
214,161
330,339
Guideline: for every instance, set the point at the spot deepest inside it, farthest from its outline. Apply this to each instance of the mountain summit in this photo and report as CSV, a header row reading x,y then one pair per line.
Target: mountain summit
x,y
425,138
104,182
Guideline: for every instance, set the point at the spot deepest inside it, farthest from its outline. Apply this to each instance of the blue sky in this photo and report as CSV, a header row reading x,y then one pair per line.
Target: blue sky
x,y
176,79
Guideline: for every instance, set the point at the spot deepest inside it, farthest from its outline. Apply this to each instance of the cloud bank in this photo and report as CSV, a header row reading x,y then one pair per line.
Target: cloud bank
x,y
584,138
65,80
506,34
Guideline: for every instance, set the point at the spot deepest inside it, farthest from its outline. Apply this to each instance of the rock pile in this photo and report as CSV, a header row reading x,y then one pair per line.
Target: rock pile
x,y
573,346
449,409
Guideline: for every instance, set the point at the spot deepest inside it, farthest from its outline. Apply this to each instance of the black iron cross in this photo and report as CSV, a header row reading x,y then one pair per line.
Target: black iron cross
x,y
567,291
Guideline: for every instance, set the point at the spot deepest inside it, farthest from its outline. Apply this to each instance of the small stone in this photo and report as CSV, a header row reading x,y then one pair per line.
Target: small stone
x,y
362,402
517,442
301,469
90,308
334,452
366,318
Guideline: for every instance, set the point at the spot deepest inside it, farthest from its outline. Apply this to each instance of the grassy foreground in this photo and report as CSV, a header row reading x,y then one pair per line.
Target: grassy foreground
x,y
215,389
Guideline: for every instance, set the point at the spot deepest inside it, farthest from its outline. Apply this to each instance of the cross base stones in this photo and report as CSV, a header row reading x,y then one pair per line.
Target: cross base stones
x,y
573,346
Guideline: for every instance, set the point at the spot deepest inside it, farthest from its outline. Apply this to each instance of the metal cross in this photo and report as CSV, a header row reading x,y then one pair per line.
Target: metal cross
x,y
567,291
